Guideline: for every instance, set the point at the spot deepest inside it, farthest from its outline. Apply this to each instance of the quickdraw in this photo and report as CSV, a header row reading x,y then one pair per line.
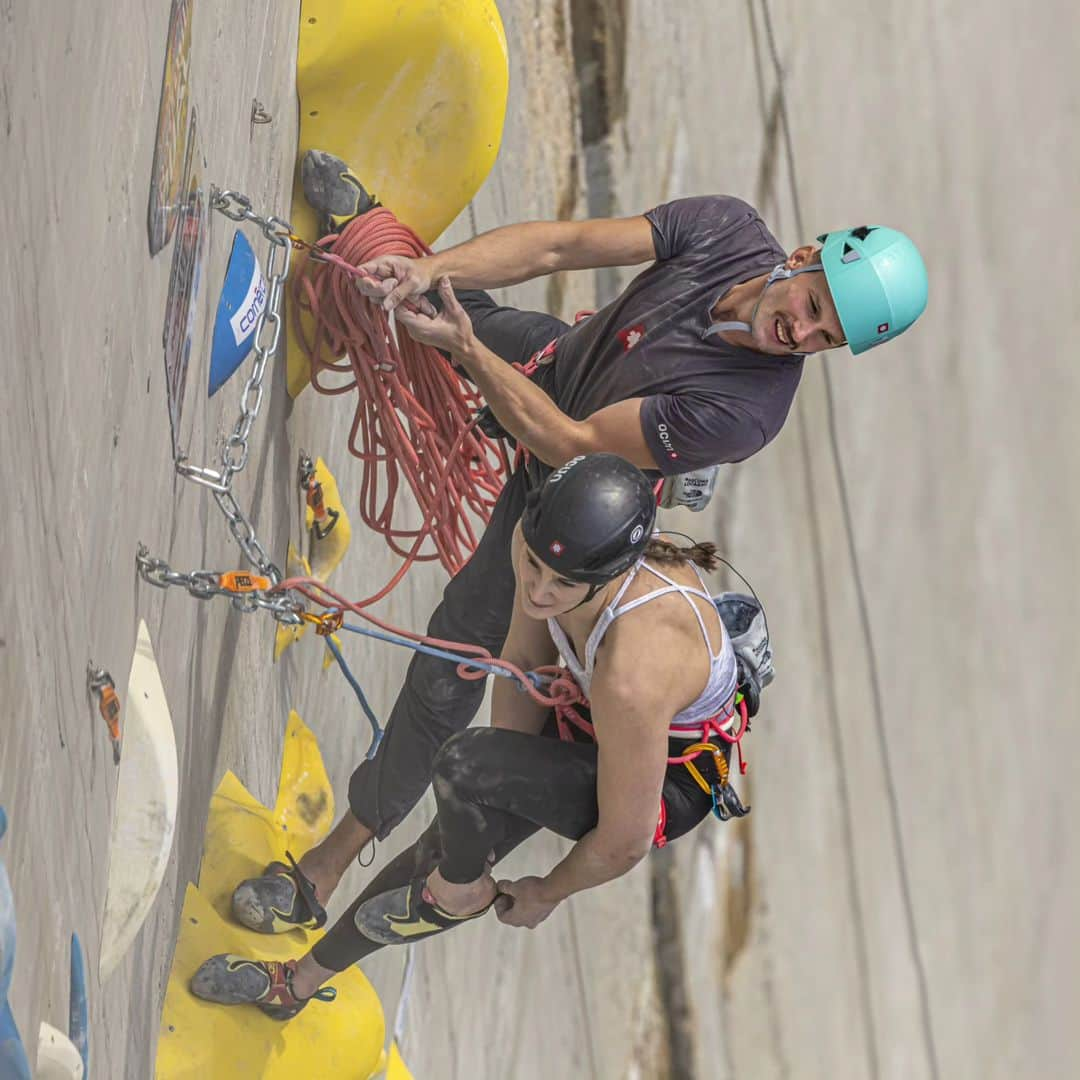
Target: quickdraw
x,y
100,684
324,519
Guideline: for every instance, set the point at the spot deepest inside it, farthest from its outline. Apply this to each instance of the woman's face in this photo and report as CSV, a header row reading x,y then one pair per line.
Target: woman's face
x,y
544,593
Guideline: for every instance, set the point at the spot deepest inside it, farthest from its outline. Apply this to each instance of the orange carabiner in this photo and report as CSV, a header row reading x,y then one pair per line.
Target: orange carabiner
x,y
330,622
100,682
719,760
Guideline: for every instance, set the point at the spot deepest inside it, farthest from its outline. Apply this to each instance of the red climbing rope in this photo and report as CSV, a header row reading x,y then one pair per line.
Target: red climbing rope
x,y
414,418
561,689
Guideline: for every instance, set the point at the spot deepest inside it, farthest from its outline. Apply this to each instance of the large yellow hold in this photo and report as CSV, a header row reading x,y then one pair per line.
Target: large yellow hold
x,y
412,94
203,1041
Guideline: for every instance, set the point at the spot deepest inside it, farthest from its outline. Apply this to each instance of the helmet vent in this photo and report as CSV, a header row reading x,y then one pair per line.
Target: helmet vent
x,y
862,232
849,254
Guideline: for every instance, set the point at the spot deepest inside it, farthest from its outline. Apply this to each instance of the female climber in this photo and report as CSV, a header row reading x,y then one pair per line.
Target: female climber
x,y
631,617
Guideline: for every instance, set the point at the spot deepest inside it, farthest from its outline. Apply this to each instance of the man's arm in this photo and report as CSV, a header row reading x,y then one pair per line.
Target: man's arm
x,y
512,254
535,421
520,406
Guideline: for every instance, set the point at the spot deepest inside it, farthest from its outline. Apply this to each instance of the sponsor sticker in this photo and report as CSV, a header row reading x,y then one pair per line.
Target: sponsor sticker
x,y
184,276
556,476
665,440
170,150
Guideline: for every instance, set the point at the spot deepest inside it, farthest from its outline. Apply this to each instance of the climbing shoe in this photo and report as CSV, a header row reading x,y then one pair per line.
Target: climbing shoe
x,y
280,900
406,914
333,189
234,980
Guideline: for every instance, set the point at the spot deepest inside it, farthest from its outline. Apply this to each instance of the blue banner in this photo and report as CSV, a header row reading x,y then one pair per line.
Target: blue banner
x,y
243,298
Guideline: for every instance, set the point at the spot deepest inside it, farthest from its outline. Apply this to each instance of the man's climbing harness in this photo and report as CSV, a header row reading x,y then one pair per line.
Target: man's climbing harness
x,y
415,415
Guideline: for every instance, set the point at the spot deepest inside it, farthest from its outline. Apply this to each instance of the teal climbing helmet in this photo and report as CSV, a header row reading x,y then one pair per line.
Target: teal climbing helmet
x,y
878,282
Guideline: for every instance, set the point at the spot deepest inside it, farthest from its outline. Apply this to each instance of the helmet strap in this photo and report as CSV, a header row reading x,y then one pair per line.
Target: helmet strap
x,y
593,590
779,273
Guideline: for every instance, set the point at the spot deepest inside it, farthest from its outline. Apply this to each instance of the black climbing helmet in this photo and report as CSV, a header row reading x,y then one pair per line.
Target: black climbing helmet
x,y
591,519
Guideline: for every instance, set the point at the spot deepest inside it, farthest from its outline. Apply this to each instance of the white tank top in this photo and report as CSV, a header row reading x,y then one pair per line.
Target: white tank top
x,y
723,675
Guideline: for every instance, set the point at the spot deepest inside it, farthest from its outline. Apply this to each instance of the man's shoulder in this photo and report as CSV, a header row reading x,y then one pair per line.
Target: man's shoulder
x,y
703,223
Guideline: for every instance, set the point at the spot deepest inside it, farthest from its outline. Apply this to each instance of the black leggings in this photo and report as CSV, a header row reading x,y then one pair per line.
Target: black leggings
x,y
494,789
434,703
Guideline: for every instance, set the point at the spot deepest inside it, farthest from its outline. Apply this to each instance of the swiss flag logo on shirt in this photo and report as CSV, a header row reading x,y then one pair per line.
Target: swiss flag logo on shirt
x,y
631,336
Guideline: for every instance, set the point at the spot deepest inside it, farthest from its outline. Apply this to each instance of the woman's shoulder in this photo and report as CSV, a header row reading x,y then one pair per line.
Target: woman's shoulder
x,y
664,627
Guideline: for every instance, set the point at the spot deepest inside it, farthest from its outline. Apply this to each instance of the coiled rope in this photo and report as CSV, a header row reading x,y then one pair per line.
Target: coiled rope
x,y
415,416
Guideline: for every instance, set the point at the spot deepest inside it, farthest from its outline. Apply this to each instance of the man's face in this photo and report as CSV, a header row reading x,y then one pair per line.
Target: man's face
x,y
797,314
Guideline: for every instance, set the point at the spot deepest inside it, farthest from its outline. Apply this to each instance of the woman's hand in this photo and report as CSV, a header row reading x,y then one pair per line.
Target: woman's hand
x,y
394,278
449,329
530,903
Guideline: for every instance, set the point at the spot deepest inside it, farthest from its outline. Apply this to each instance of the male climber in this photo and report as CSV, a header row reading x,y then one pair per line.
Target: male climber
x,y
694,364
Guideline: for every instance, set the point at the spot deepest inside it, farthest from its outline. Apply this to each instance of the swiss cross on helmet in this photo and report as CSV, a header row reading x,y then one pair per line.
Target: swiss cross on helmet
x,y
591,519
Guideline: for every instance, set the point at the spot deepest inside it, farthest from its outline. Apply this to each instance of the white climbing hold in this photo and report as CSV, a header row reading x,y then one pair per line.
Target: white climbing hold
x,y
145,817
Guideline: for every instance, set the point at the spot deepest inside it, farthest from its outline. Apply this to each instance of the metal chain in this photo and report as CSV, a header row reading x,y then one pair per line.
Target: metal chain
x,y
206,584
234,458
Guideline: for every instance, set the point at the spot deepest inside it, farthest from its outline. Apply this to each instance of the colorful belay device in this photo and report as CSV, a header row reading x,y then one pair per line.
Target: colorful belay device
x,y
243,298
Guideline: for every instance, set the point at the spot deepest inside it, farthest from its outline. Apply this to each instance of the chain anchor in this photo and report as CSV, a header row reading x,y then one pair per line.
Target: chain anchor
x,y
246,592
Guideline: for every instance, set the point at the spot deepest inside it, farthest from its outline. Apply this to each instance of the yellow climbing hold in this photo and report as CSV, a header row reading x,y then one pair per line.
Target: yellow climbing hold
x,y
214,1042
286,634
412,96
396,1069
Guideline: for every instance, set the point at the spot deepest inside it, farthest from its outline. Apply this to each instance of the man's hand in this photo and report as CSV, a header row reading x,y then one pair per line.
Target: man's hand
x,y
530,904
449,329
394,278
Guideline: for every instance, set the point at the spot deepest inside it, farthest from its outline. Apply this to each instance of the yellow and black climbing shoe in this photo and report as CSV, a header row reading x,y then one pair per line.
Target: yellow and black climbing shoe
x,y
235,980
333,189
280,900
406,914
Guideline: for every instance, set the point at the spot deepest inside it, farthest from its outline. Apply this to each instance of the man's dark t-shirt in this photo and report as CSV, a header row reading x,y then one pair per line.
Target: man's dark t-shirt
x,y
705,401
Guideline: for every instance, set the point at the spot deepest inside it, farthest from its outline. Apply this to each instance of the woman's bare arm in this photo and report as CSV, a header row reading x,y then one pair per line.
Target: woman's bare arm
x,y
631,711
528,645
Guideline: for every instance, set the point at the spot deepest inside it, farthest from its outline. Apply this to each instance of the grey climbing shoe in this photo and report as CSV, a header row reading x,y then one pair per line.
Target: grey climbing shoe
x,y
333,189
280,899
236,980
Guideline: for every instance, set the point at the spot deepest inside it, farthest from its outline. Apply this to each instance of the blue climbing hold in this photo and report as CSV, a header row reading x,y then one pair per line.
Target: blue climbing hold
x,y
78,1010
242,301
13,1062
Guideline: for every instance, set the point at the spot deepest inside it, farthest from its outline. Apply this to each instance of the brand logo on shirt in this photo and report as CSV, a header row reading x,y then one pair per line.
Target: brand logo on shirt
x,y
631,336
665,440
556,548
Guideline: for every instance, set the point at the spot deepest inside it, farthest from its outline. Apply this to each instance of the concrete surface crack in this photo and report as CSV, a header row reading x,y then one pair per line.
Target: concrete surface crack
x,y
675,1012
